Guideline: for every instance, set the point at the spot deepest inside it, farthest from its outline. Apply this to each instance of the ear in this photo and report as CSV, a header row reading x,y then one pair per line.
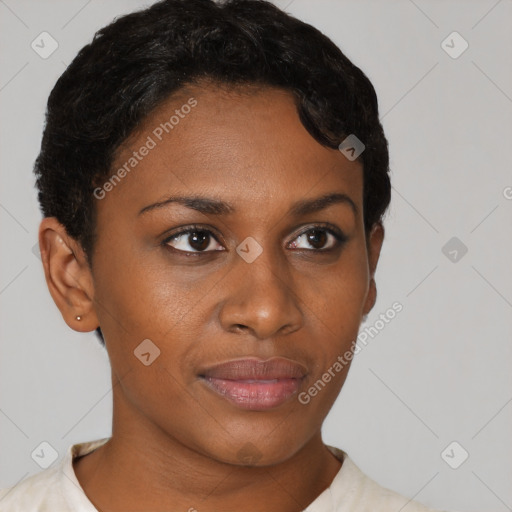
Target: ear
x,y
67,275
373,245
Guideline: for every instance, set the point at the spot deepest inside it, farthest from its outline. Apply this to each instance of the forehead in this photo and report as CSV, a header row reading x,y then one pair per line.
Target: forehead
x,y
245,145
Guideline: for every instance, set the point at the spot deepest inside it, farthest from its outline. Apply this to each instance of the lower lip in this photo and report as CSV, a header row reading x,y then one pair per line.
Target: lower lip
x,y
258,395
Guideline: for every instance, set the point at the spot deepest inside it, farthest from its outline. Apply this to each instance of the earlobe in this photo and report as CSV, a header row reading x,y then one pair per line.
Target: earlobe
x,y
67,275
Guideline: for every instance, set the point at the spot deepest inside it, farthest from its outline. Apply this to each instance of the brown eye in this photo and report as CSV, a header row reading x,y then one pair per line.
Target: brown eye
x,y
194,241
318,238
199,240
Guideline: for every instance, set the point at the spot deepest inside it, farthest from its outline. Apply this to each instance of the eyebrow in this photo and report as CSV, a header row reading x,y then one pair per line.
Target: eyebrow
x,y
210,206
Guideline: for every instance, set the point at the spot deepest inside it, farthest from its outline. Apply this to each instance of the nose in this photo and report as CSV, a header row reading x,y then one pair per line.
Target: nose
x,y
262,299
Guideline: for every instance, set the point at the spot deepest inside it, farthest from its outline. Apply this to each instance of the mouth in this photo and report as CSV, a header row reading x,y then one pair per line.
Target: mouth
x,y
254,384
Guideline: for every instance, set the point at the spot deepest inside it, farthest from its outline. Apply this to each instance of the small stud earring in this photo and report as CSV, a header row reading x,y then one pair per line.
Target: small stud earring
x,y
79,318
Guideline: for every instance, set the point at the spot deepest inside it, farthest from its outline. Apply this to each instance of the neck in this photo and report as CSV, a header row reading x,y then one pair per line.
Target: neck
x,y
143,468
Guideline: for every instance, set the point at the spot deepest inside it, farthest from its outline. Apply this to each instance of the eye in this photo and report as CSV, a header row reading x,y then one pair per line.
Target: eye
x,y
319,237
193,240
197,240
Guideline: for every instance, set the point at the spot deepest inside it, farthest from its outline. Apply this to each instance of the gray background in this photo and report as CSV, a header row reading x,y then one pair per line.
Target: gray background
x,y
439,371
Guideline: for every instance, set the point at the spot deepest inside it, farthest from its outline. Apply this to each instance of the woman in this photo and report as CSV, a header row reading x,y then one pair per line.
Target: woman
x,y
213,179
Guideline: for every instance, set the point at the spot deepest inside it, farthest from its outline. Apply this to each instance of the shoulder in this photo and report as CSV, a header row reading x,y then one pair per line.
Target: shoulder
x,y
352,490
32,492
53,489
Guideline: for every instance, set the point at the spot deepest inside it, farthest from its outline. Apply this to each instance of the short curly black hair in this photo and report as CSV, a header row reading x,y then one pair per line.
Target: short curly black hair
x,y
140,59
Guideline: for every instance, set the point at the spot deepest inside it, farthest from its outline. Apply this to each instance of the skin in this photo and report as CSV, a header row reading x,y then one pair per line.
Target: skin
x,y
171,434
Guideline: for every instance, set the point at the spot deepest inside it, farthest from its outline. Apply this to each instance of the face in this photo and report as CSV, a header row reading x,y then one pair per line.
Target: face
x,y
261,270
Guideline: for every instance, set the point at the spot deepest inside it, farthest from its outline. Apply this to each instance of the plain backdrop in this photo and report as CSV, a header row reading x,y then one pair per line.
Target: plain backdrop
x,y
434,386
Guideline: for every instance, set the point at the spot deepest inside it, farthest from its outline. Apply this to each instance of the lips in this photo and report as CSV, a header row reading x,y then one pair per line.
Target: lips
x,y
256,369
253,383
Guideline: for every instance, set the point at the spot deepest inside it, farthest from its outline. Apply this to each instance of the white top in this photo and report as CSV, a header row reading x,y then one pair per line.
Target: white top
x,y
56,489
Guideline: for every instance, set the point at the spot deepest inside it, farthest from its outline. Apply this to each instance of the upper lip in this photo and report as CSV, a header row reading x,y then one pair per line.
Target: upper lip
x,y
256,369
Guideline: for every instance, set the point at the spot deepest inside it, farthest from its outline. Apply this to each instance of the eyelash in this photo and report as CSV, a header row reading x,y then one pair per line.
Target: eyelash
x,y
339,236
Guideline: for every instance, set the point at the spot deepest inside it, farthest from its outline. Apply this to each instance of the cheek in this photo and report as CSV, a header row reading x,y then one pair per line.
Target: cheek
x,y
141,302
148,320
337,315
337,300
141,299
